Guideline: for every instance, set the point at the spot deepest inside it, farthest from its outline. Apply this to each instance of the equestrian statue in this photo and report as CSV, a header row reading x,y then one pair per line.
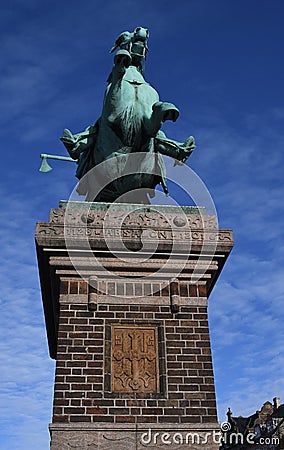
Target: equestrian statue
x,y
129,129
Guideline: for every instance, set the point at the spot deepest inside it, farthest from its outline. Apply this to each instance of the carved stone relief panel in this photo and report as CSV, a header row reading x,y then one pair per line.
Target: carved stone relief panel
x,y
134,359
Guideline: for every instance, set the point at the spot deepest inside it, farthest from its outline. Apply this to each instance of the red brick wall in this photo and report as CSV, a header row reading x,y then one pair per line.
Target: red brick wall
x,y
82,382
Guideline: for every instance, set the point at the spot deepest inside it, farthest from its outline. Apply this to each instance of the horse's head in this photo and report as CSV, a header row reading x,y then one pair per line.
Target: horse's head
x,y
140,34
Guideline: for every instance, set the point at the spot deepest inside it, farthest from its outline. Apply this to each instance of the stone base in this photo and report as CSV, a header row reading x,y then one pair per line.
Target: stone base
x,y
103,436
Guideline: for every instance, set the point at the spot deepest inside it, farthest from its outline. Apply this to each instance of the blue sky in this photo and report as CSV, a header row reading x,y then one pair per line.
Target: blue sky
x,y
221,63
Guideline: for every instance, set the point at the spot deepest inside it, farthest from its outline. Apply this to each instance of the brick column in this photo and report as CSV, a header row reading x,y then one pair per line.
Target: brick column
x,y
133,359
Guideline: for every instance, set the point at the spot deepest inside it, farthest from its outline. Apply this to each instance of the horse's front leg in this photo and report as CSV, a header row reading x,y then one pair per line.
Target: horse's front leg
x,y
180,151
161,111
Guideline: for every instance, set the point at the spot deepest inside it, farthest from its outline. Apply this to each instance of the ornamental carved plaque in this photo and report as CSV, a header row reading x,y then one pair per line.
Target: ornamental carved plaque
x,y
134,359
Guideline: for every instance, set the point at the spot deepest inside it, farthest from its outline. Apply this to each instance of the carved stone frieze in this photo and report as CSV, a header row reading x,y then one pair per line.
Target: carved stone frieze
x,y
127,219
75,440
154,436
99,226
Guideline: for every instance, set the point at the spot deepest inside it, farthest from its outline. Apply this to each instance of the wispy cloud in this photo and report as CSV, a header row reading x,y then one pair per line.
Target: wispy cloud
x,y
55,64
26,370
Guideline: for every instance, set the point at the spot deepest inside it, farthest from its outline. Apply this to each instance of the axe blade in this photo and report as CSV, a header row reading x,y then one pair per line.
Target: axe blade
x,y
45,167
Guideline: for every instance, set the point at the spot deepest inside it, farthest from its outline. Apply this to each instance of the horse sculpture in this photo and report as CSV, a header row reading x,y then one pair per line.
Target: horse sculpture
x,y
128,130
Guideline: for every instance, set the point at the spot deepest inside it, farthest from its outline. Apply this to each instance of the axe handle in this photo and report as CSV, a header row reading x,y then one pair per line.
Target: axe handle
x,y
62,158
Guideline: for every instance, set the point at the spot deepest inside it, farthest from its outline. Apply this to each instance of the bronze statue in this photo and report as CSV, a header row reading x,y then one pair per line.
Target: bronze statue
x,y
130,123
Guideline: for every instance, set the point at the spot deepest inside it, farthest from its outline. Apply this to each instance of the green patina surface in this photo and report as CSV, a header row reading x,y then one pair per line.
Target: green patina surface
x,y
130,124
101,206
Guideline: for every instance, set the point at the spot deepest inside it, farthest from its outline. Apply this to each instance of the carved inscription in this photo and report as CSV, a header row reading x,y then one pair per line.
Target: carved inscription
x,y
134,359
220,235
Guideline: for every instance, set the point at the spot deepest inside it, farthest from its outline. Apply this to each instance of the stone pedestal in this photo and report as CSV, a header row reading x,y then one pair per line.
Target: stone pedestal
x,y
125,292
